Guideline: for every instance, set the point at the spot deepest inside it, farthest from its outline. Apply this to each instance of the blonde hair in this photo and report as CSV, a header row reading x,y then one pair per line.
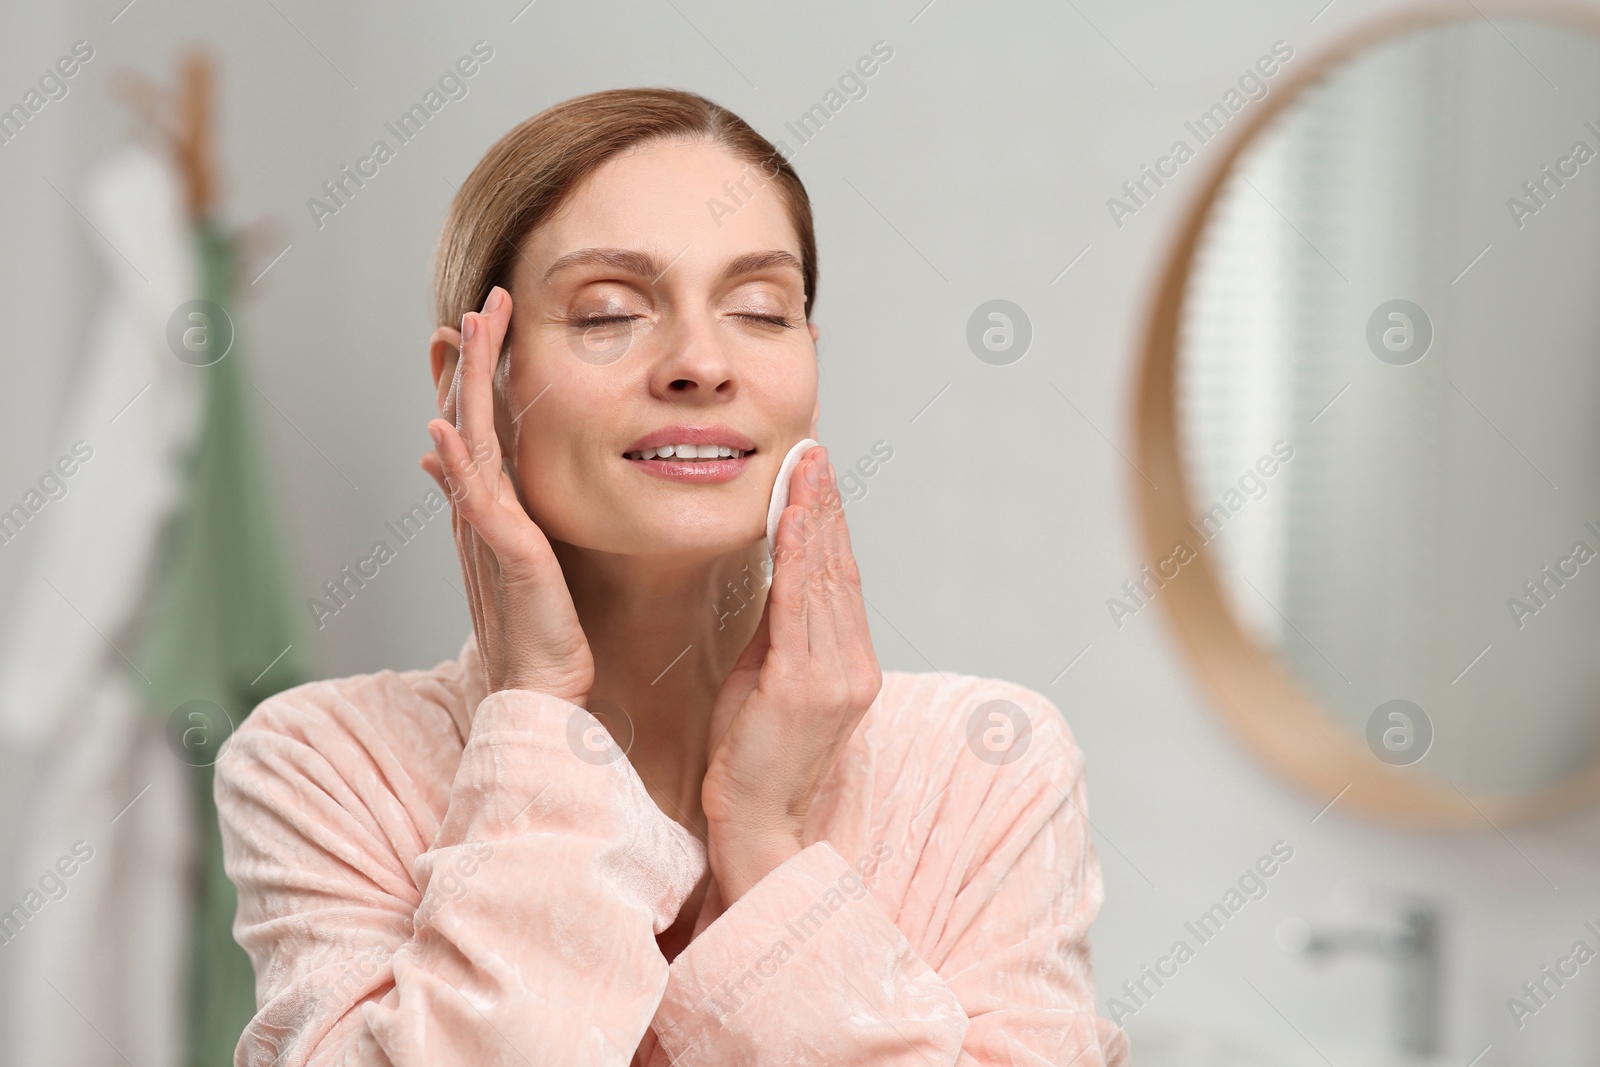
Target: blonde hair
x,y
525,177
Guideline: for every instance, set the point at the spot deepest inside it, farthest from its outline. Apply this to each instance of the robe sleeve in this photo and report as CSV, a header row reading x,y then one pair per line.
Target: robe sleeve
x,y
810,966
522,933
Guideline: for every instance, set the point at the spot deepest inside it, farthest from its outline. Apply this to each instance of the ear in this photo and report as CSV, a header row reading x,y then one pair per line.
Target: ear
x,y
814,331
444,351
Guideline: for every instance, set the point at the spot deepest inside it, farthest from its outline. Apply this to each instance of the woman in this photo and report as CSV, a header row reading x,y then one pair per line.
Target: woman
x,y
798,859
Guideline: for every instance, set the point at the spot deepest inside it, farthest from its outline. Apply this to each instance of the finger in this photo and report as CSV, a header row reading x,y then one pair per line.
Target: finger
x,y
844,575
803,489
806,493
827,509
838,626
469,388
489,331
819,611
472,494
475,396
498,323
505,527
786,595
454,462
431,467
838,566
839,545
812,491
851,638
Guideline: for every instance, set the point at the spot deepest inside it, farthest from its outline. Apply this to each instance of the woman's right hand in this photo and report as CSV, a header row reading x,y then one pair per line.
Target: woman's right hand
x,y
528,631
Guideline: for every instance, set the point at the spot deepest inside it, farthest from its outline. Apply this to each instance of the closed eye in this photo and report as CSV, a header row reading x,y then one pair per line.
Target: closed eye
x,y
605,320
775,320
602,320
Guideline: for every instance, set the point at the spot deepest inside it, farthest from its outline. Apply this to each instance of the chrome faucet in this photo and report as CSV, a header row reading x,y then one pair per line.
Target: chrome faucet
x,y
1412,944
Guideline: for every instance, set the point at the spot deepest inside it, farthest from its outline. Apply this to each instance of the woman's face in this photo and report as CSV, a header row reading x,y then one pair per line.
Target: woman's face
x,y
645,315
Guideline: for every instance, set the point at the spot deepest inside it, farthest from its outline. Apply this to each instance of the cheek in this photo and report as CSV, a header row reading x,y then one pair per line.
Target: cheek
x,y
549,437
558,485
553,440
790,394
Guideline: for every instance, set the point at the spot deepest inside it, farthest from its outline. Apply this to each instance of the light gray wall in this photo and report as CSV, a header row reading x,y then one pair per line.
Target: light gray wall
x,y
977,167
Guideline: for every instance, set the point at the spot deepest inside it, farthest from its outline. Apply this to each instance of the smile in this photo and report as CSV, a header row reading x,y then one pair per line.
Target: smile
x,y
689,452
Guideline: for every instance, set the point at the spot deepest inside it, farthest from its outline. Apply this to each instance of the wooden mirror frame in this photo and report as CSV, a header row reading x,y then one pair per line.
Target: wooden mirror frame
x,y
1269,710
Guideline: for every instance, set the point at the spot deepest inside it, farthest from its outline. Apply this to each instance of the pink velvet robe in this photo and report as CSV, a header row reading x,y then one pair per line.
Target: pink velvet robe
x,y
431,876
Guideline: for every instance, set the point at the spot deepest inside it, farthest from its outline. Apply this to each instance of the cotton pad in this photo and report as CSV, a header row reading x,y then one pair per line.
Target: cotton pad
x,y
780,490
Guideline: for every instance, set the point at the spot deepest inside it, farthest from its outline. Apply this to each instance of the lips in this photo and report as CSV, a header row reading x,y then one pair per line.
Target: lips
x,y
708,442
685,453
695,454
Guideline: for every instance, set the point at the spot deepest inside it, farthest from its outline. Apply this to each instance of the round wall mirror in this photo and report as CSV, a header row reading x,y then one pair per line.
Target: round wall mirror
x,y
1368,421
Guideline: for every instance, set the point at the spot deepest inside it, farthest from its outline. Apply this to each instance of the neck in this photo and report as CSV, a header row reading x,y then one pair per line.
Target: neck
x,y
664,633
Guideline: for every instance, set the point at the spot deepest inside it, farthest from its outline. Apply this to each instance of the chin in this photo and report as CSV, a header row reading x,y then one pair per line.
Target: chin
x,y
699,532
682,531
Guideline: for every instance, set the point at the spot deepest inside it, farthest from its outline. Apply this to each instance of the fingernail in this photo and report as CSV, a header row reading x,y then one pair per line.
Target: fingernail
x,y
811,475
491,305
469,326
437,435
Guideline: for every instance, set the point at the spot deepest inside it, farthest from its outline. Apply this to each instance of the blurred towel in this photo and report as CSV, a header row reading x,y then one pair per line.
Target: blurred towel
x,y
97,976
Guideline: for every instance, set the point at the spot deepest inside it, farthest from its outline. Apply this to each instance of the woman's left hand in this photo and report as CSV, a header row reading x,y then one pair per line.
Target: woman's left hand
x,y
796,693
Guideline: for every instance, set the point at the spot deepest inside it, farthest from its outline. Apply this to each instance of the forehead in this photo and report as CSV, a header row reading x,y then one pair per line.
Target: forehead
x,y
693,201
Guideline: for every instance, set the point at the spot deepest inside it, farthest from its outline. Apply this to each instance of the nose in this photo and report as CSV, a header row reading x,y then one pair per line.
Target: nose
x,y
696,364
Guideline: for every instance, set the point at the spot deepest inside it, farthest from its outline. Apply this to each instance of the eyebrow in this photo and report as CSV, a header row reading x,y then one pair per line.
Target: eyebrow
x,y
647,265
